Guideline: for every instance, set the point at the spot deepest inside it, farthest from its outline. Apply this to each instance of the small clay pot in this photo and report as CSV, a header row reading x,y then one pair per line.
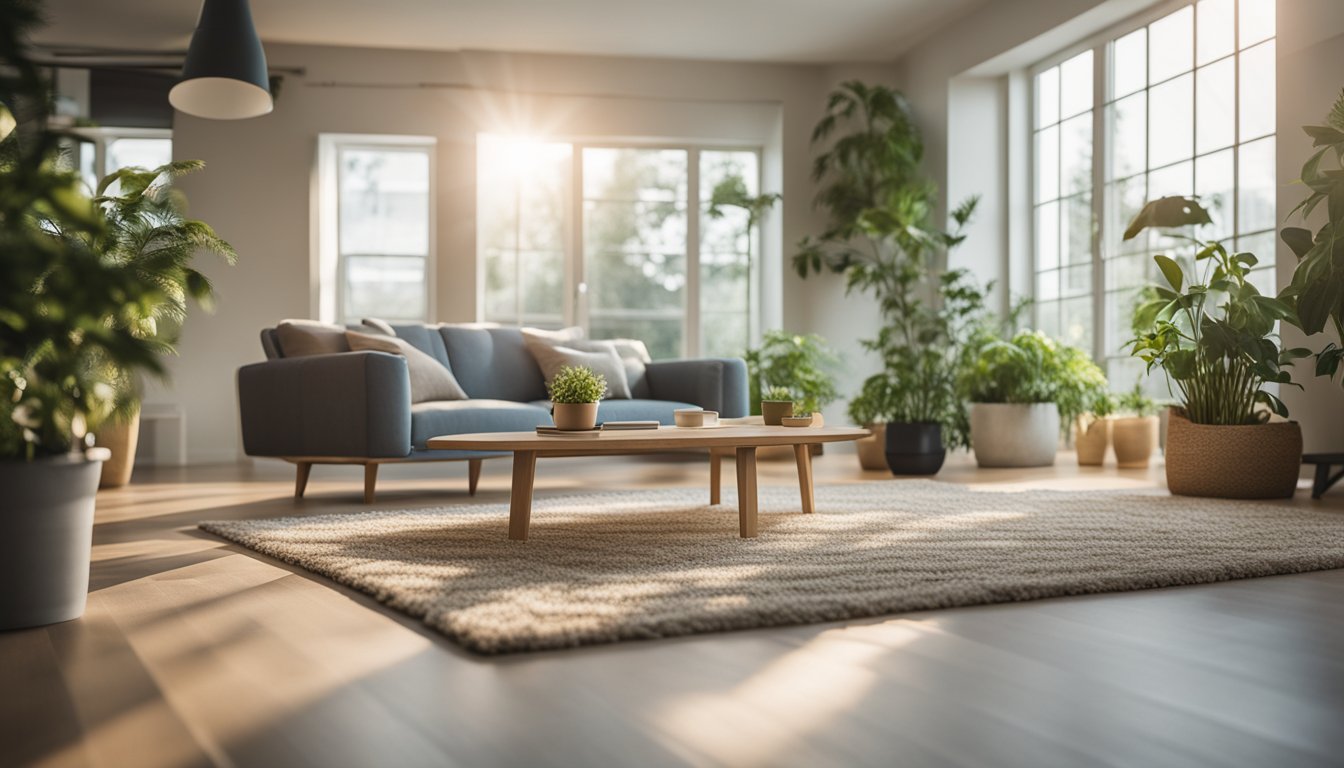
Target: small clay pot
x,y
1091,438
773,411
873,449
1134,439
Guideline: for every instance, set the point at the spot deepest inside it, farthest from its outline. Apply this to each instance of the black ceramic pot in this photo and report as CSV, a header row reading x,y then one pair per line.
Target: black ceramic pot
x,y
915,449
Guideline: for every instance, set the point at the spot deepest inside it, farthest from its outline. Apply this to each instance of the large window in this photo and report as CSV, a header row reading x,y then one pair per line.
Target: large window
x,y
96,152
377,237
1181,105
617,239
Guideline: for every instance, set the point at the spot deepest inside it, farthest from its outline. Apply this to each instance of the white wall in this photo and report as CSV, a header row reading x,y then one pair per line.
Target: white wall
x,y
1309,77
257,186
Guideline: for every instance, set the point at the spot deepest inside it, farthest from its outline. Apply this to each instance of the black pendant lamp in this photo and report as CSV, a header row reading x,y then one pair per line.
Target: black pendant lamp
x,y
225,75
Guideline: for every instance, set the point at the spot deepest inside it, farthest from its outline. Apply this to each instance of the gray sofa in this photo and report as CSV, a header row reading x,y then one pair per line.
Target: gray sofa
x,y
355,407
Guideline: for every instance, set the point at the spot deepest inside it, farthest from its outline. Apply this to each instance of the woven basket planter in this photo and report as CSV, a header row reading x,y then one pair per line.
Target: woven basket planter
x,y
1252,461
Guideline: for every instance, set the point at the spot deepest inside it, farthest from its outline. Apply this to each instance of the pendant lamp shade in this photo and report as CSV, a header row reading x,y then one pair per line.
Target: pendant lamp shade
x,y
225,75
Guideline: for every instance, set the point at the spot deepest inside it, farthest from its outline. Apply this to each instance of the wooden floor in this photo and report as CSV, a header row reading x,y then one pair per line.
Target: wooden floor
x,y
194,652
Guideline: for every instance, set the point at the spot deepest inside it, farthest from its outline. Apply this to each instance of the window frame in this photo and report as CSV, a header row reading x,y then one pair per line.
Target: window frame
x,y
99,138
1101,45
330,261
576,307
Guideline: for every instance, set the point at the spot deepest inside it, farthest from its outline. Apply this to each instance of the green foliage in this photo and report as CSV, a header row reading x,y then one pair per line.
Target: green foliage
x,y
732,193
577,384
799,365
776,395
1316,292
879,237
1030,367
1212,333
1137,403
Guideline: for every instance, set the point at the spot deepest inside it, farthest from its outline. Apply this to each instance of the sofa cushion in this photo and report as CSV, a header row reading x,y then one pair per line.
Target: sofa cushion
x,y
377,325
425,338
458,417
429,379
553,357
301,338
491,362
632,410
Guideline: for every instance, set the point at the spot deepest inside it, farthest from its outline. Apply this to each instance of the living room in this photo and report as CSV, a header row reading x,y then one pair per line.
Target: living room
x,y
932,382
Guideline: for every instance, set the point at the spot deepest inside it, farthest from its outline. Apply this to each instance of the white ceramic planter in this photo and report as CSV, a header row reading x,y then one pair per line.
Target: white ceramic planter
x,y
1014,434
46,531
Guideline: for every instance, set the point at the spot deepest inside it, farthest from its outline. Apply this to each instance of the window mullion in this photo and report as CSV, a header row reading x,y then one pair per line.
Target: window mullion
x,y
692,322
1100,150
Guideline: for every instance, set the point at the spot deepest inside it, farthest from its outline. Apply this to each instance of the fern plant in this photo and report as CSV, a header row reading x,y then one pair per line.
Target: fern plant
x,y
577,384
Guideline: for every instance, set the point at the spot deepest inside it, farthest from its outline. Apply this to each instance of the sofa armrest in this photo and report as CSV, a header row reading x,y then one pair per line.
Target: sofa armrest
x,y
716,384
347,404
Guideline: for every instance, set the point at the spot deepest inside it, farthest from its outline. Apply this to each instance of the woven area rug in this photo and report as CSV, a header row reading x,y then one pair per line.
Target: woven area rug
x,y
605,567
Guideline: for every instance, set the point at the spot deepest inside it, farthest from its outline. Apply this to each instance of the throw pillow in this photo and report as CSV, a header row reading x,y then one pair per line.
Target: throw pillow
x,y
633,353
552,357
378,326
300,338
564,335
429,379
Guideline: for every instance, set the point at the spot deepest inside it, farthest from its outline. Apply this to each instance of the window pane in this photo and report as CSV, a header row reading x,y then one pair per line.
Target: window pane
x,y
1075,281
1262,245
1075,85
384,202
727,245
1170,43
1047,285
1215,106
1047,164
1077,230
141,153
1257,21
1047,97
1130,71
1047,236
1129,124
1124,200
635,245
389,287
1257,91
1255,186
1173,180
501,285
1047,318
1213,184
1075,154
1215,27
1170,121
1075,322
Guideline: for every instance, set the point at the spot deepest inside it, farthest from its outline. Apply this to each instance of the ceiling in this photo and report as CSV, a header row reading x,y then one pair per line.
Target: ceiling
x,y
802,31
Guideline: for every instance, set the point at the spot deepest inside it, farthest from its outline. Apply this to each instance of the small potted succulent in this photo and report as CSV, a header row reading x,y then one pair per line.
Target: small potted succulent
x,y
801,417
1092,431
1134,434
776,404
575,393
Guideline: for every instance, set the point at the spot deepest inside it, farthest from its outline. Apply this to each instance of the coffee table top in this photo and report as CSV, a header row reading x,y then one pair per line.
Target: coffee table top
x,y
726,436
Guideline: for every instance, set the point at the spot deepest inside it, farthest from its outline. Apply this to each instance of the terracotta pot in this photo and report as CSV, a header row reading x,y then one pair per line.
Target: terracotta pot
x,y
773,411
1134,439
872,449
1091,437
1014,434
574,416
1252,461
121,438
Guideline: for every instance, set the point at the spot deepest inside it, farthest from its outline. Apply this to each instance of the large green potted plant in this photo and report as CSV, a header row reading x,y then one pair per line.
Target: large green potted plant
x,y
1022,389
1316,292
880,237
1213,335
146,231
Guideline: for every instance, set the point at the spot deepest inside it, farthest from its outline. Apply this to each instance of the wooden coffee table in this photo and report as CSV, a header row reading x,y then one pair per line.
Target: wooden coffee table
x,y
742,440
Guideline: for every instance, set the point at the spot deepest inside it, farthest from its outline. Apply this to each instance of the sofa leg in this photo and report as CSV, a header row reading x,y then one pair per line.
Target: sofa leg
x,y
301,471
370,480
473,475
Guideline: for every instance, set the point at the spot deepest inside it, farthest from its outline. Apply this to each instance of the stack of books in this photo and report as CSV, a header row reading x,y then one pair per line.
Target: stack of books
x,y
608,426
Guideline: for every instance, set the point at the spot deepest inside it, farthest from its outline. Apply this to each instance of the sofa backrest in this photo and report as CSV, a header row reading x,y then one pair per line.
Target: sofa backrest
x,y
492,362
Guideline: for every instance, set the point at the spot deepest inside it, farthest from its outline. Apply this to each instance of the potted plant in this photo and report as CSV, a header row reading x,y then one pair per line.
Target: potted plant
x,y
871,409
147,232
797,364
1092,431
1212,334
575,392
1316,292
1021,390
880,237
1135,434
65,320
776,405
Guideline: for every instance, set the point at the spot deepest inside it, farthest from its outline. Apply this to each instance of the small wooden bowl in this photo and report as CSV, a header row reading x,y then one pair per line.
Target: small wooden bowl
x,y
687,417
796,421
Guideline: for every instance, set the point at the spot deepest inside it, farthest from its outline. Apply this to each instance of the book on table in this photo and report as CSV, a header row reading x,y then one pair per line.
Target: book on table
x,y
549,431
629,425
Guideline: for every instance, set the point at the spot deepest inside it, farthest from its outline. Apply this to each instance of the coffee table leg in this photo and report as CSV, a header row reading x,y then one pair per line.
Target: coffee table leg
x,y
746,492
804,455
520,498
715,475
